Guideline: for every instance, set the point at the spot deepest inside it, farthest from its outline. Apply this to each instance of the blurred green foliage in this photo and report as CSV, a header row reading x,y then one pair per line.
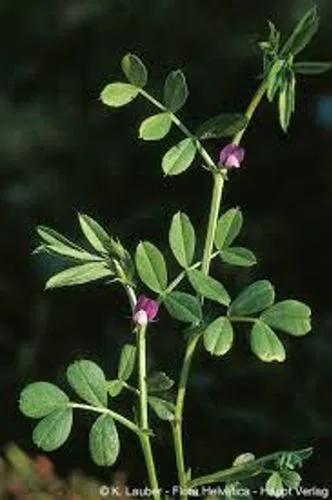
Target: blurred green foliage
x,y
61,150
23,477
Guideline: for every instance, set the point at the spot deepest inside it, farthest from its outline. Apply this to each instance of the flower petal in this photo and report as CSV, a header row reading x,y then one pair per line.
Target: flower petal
x,y
226,152
151,308
141,317
141,302
232,161
148,306
239,153
231,156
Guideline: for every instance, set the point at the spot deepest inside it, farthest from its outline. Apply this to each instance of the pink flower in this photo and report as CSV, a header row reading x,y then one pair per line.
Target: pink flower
x,y
231,156
145,310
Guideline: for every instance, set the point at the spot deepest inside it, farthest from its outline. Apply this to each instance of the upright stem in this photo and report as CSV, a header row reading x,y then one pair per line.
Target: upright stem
x,y
143,414
143,401
177,424
143,430
193,341
255,101
218,184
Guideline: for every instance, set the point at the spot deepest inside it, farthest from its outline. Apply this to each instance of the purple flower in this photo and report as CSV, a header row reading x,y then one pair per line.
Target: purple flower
x,y
231,156
145,310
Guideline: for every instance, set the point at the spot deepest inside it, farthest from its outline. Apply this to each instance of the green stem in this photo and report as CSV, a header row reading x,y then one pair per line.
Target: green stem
x,y
144,435
193,341
154,101
143,400
218,184
143,414
242,319
173,284
119,418
246,470
177,424
130,388
255,101
142,393
128,288
236,473
201,150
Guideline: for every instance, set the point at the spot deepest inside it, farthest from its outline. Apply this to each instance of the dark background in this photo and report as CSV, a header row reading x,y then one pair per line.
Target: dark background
x,y
61,151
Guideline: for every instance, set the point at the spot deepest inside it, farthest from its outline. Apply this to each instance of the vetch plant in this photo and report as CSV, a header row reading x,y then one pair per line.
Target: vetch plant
x,y
196,299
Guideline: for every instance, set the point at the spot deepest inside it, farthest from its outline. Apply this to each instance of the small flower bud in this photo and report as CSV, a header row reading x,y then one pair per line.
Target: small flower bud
x,y
145,310
231,156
